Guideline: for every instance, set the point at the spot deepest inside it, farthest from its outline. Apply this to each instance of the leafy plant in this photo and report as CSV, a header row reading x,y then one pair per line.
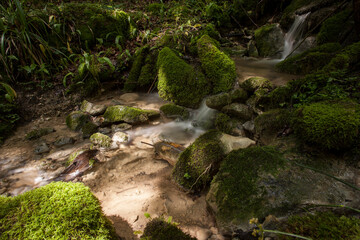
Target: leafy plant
x,y
10,92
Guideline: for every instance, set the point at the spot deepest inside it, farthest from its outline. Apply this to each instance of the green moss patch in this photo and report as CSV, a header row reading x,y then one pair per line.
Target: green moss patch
x,y
101,140
56,211
219,68
159,229
199,162
173,110
178,81
269,40
235,194
120,113
323,226
347,59
38,133
309,61
330,125
132,81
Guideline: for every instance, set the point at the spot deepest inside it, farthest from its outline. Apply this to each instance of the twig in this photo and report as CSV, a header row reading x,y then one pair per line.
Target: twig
x,y
206,170
151,87
147,143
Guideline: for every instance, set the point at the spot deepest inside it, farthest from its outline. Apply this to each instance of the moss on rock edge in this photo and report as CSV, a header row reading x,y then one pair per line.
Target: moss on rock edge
x,y
56,211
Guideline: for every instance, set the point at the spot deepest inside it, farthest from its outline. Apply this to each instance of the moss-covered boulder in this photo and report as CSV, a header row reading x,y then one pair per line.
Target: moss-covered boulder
x,y
347,59
238,110
309,61
330,125
76,120
171,110
238,95
269,40
131,115
58,210
253,83
334,28
199,162
226,124
101,140
219,68
159,229
178,81
134,74
148,71
218,101
323,225
236,194
38,133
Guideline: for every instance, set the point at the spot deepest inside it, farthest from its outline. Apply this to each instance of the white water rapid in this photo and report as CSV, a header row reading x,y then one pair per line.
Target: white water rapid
x,y
293,36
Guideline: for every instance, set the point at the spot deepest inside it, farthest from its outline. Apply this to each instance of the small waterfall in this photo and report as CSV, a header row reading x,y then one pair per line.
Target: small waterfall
x,y
293,36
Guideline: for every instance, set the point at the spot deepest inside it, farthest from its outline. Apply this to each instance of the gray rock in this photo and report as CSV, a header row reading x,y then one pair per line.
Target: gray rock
x,y
120,137
120,127
269,40
253,83
238,110
249,126
76,120
105,130
231,143
42,148
218,101
38,133
63,141
92,109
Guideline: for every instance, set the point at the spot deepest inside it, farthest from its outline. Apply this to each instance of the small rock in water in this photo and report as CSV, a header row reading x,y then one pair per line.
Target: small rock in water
x,y
120,127
168,151
249,126
42,148
234,143
105,130
63,141
92,109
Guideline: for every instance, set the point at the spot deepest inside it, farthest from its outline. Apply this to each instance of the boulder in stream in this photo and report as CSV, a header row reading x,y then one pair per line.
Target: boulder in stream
x,y
171,110
131,115
269,40
229,125
101,140
218,101
92,109
78,120
168,151
253,83
238,110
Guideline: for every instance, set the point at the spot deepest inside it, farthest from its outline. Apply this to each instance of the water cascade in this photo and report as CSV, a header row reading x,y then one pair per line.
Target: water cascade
x,y
293,36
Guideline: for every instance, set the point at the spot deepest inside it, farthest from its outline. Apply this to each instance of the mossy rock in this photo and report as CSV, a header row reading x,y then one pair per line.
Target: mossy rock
x,y
38,133
253,83
159,229
131,115
219,68
239,111
178,81
92,109
134,74
269,40
330,125
199,162
228,125
88,129
309,61
236,194
77,119
171,110
347,59
323,226
218,101
58,210
238,95
100,140
332,29
148,71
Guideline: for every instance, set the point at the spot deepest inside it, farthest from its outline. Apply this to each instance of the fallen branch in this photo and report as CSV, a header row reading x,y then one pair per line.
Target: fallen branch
x,y
205,171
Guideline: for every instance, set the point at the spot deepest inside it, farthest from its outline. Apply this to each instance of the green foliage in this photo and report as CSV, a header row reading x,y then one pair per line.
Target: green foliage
x,y
10,94
58,210
330,125
347,59
172,110
219,68
159,229
332,29
217,14
323,226
8,119
178,81
309,61
199,162
236,191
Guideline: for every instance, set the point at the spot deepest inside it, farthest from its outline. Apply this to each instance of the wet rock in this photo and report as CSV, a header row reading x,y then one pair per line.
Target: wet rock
x,y
168,151
127,114
238,95
231,143
88,129
238,110
229,125
92,109
249,126
76,120
253,83
101,140
171,110
42,148
199,162
120,137
64,141
120,127
105,130
218,101
38,133
269,40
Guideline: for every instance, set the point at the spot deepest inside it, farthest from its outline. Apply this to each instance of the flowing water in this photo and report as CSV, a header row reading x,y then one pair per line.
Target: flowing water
x,y
293,36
